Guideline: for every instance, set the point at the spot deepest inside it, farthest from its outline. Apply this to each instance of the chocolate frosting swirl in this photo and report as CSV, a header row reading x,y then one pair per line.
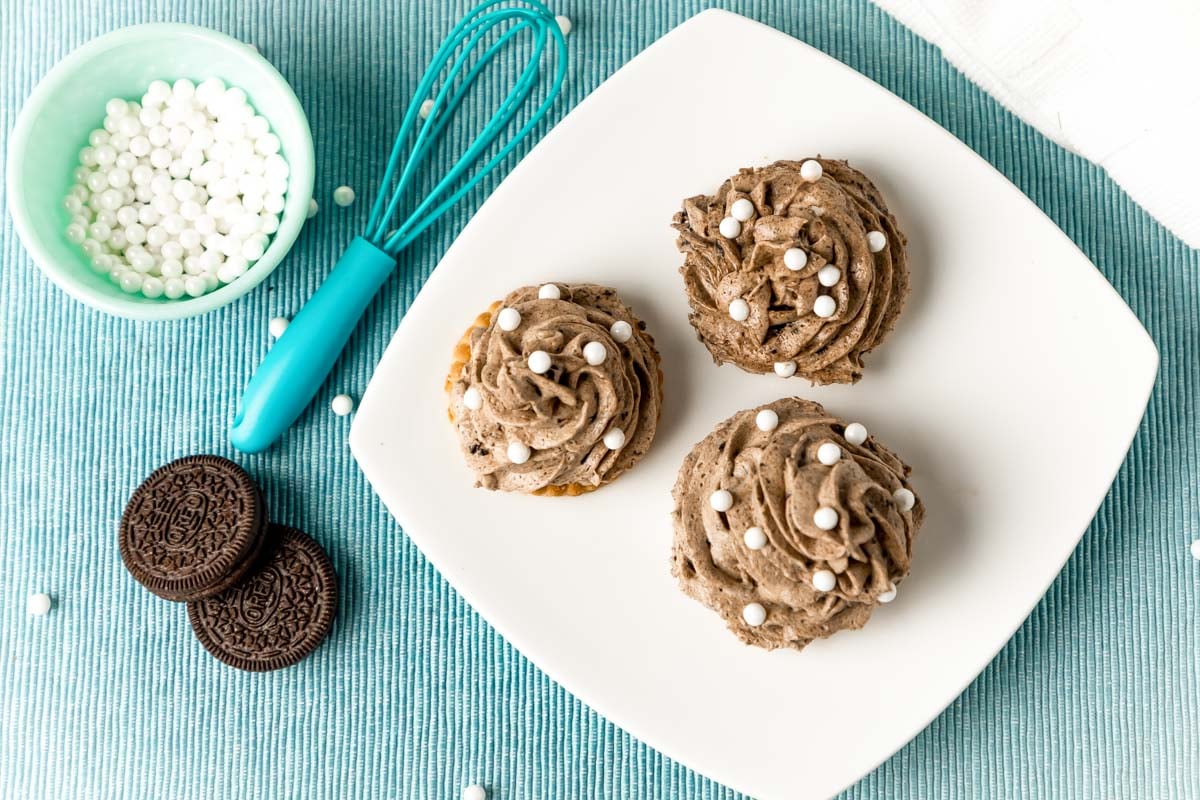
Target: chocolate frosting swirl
x,y
829,219
564,414
777,483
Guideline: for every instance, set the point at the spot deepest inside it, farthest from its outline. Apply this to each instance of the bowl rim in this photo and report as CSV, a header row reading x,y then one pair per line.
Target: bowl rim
x,y
302,171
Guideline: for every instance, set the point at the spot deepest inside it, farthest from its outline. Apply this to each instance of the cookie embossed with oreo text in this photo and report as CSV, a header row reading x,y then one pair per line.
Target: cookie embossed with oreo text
x,y
277,614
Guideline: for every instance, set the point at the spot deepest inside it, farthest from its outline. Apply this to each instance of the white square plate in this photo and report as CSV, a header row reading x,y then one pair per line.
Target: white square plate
x,y
1013,384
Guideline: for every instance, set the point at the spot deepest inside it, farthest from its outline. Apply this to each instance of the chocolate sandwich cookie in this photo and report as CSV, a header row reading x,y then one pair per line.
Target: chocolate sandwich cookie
x,y
278,614
193,528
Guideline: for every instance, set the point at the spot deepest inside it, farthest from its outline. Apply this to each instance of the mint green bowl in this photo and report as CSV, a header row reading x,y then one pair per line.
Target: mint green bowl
x,y
68,104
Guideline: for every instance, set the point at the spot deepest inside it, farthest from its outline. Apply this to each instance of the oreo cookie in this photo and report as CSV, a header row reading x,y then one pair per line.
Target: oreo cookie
x,y
278,613
193,528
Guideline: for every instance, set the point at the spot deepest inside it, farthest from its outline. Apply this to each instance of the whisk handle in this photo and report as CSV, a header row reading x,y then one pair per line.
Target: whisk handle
x,y
296,365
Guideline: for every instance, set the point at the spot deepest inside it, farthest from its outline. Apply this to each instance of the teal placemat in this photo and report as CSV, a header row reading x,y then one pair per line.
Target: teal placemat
x,y
414,696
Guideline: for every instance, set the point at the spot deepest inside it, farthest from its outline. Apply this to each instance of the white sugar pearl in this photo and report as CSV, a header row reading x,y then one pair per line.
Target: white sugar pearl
x,y
856,433
766,420
509,319
742,209
754,614
87,156
755,538
173,288
267,144
116,107
342,404
257,126
794,258
273,203
811,170
730,228
76,234
426,109
131,282
135,233
518,452
268,223
183,89
195,286
152,287
253,249
614,439
474,792
721,500
111,199
876,241
91,247
1196,549
98,137
739,310
126,161
595,353
549,291
38,604
824,306
472,399
118,178
233,268
905,499
189,238
171,267
126,215
343,196
539,362
889,595
785,369
313,208
158,136
564,24
829,276
829,454
99,231
129,126
825,518
174,224
97,182
621,331
824,581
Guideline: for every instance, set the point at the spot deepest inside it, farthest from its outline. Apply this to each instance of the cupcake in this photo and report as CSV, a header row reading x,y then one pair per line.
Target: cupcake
x,y
796,268
555,390
791,524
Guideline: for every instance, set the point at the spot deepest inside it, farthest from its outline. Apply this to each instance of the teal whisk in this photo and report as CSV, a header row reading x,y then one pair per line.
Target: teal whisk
x,y
299,362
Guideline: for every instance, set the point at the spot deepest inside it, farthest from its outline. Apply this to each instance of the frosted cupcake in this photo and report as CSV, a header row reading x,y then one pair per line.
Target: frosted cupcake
x,y
555,390
791,524
796,268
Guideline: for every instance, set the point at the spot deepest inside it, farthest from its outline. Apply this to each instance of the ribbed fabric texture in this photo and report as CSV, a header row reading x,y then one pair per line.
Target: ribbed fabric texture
x,y
414,695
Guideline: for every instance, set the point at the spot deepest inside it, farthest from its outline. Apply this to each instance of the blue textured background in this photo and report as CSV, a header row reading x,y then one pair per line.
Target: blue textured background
x,y
1097,695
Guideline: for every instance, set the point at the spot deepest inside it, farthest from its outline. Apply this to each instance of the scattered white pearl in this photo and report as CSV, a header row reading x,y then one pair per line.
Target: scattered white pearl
x,y
825,518
905,499
739,310
564,24
595,353
794,258
474,792
889,595
277,326
824,581
811,170
755,538
754,614
313,208
621,331
829,276
856,433
614,439
343,196
829,454
342,404
1196,549
509,319
549,291
38,604
721,500
741,210
518,452
426,109
766,420
824,306
785,369
472,399
539,362
876,241
730,228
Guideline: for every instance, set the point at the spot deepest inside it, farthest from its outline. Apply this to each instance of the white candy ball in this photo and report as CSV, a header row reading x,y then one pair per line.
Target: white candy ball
x,y
614,439
829,276
38,604
313,208
741,210
621,331
195,286
549,291
426,109
509,319
472,399
277,326
811,170
754,614
905,499
1195,548
739,310
474,792
856,433
889,595
785,369
342,404
824,581
518,452
876,241
253,249
76,234
721,500
730,228
595,353
343,196
116,107
539,362
152,287
564,25
755,538
825,518
794,258
829,454
173,288
131,282
824,306
767,420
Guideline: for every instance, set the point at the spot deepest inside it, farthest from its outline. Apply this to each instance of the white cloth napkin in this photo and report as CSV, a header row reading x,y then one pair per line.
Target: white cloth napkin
x,y
1115,81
